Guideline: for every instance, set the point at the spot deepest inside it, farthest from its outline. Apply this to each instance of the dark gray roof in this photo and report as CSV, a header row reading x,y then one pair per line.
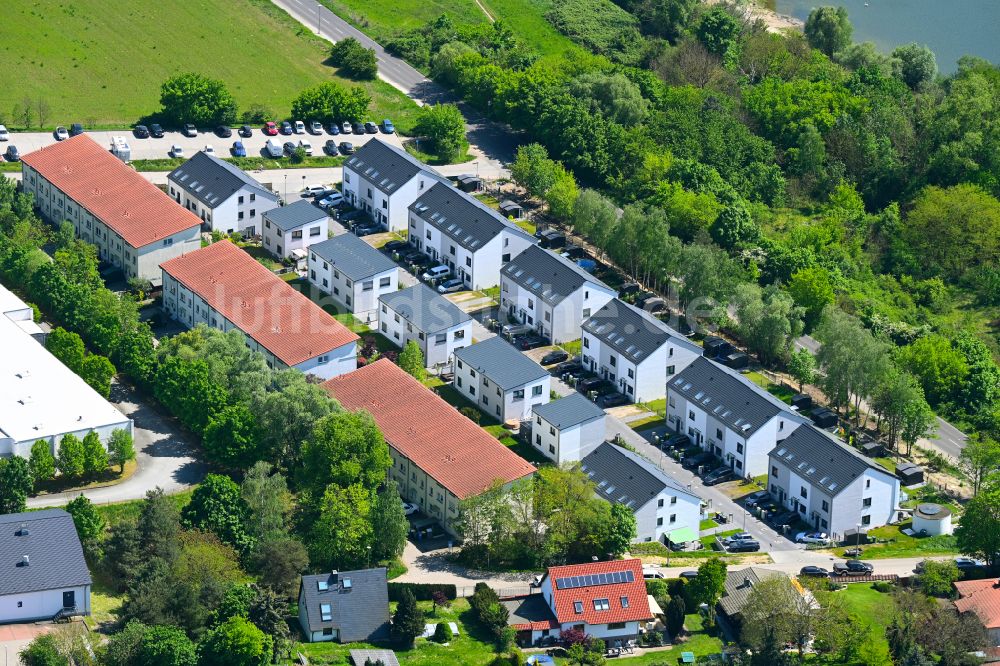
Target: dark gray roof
x,y
361,657
359,603
212,181
572,410
461,217
632,480
728,396
353,257
426,309
55,557
823,460
507,204
501,363
387,167
547,275
632,332
739,584
295,215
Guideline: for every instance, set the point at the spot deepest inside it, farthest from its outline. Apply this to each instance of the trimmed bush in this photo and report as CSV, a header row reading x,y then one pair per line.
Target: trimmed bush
x,y
422,591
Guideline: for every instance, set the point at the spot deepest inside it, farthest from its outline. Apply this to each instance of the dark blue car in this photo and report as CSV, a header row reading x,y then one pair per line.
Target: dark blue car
x,y
238,149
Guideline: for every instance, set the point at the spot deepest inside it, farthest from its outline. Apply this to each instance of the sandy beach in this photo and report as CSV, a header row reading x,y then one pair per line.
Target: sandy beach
x,y
774,21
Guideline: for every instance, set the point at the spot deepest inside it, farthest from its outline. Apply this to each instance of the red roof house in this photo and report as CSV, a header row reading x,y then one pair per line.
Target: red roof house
x,y
981,597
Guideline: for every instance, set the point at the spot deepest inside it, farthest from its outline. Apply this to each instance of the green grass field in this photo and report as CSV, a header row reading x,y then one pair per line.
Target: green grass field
x,y
101,62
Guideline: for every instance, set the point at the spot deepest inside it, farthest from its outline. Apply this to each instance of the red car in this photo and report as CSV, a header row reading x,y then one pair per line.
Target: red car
x,y
270,129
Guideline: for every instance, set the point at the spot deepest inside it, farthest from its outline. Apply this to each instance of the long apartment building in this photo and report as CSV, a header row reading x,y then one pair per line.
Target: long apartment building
x,y
224,287
135,225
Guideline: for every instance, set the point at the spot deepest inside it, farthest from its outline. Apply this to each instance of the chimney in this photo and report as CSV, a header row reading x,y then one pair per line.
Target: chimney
x,y
23,530
333,577
747,582
24,561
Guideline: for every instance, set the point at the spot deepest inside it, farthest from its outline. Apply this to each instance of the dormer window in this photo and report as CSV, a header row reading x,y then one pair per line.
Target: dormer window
x,y
601,604
322,585
578,606
624,601
325,612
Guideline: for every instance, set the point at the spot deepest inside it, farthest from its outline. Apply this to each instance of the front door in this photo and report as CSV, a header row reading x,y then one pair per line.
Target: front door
x,y
69,599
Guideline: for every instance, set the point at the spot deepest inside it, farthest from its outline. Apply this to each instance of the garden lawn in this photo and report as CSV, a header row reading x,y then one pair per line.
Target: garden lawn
x,y
697,641
101,62
120,512
906,546
869,605
777,390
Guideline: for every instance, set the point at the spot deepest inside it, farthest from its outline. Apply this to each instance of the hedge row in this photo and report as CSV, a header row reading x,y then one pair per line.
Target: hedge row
x,y
422,591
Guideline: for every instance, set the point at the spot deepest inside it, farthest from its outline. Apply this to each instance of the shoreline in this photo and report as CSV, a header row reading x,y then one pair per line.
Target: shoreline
x,y
775,22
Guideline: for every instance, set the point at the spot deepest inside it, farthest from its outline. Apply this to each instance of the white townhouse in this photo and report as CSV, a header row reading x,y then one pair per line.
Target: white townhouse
x,y
634,350
456,229
224,287
353,273
288,231
567,429
419,313
502,381
832,486
222,195
665,510
133,223
542,289
384,180
45,575
725,413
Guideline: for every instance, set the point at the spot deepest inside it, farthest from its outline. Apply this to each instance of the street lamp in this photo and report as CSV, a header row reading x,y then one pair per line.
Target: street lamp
x,y
286,188
857,541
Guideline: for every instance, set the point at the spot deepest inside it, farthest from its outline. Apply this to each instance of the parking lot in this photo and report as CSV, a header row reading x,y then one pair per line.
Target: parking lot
x,y
146,149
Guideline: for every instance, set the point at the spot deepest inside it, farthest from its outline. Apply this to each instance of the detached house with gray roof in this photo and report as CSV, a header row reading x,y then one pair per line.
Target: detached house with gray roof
x,y
725,413
831,485
469,237
345,606
290,230
419,313
567,429
665,510
541,289
634,350
502,381
384,180
353,273
222,195
43,574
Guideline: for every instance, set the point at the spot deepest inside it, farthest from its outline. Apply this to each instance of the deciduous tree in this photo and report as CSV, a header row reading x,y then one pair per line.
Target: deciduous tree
x,y
193,98
444,126
95,457
978,533
408,620
42,462
980,460
15,484
828,29
389,522
71,458
411,360
121,448
331,101
236,642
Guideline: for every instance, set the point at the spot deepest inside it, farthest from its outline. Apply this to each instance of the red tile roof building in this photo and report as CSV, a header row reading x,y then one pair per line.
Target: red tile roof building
x,y
133,223
224,287
440,457
981,597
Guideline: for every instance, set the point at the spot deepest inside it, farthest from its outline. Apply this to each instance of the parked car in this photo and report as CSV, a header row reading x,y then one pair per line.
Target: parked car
x,y
371,128
366,229
270,128
414,256
189,130
209,149
272,149
528,342
330,148
388,127
331,200
61,133
511,331
678,440
346,148
719,475
333,128
238,150
650,573
451,285
224,131
435,273
967,563
300,127
692,462
155,131
782,518
316,127
595,384
409,509
743,547
12,154
812,537
739,536
612,400
306,146
245,131
753,499
573,368
4,134
345,127
289,147
555,356
819,572
313,190
853,568
176,150
140,131
286,128
76,129
395,246
357,128
689,575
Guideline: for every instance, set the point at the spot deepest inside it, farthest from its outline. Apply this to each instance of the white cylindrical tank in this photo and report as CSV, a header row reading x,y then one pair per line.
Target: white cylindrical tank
x,y
932,519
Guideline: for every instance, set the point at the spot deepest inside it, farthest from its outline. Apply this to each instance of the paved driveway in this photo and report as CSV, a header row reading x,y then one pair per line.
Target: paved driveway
x,y
14,638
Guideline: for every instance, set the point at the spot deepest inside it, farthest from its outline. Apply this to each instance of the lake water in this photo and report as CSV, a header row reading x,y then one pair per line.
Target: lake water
x,y
951,28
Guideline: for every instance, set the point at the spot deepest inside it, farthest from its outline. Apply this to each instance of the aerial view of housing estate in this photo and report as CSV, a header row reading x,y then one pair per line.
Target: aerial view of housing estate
x,y
499,332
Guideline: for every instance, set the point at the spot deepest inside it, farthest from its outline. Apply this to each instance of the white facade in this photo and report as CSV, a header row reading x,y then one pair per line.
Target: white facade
x,y
668,511
567,444
44,604
513,403
242,212
639,382
559,322
283,242
389,210
622,630
437,346
360,297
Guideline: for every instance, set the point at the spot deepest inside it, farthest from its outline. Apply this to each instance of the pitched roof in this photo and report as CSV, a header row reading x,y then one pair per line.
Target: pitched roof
x,y
739,584
363,657
584,583
387,167
627,478
426,309
111,191
728,396
212,181
55,557
981,597
571,410
358,600
259,303
547,275
295,215
415,421
352,256
632,332
823,460
463,218
505,366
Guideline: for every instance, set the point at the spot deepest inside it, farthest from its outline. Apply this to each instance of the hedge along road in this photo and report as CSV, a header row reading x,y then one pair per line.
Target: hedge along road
x,y
493,141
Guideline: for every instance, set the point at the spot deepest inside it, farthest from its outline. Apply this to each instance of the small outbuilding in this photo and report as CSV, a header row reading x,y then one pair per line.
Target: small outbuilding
x,y
910,474
469,183
802,401
737,360
716,347
511,209
551,239
824,418
932,520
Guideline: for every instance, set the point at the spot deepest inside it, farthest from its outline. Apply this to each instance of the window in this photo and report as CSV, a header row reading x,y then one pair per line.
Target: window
x,y
239,201
868,483
326,612
578,606
803,492
538,439
324,359
826,506
774,471
459,335
659,522
519,394
631,374
468,261
552,449
739,448
328,631
458,380
168,242
673,500
673,518
472,390
384,282
326,283
671,402
691,414
253,197
552,431
586,313
440,338
367,285
670,369
866,520
781,426
718,433
267,224
348,282
659,502
239,216
314,231
536,391
866,502
586,343
616,625
602,604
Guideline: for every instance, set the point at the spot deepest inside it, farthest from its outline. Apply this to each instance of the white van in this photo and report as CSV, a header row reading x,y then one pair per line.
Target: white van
x,y
436,272
510,331
306,146
273,150
121,149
